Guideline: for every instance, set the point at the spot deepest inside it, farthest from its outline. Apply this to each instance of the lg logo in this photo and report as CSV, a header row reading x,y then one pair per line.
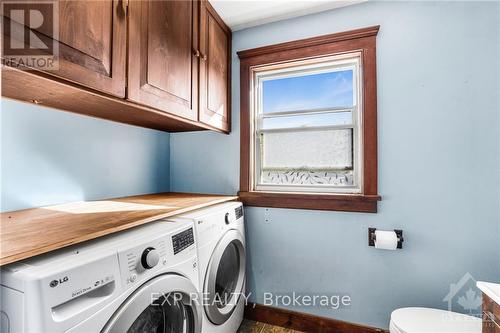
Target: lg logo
x,y
56,282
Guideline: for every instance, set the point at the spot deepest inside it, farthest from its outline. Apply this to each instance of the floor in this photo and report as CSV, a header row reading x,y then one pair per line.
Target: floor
x,y
249,326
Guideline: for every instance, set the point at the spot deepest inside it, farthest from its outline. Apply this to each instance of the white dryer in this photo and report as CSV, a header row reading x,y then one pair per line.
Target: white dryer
x,y
220,234
141,280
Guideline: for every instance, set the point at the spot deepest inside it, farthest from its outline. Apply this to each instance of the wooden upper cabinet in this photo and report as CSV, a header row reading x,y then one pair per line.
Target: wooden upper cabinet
x,y
215,73
92,44
163,67
162,64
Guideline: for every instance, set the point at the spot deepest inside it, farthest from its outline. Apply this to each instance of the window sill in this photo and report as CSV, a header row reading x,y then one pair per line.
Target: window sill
x,y
333,202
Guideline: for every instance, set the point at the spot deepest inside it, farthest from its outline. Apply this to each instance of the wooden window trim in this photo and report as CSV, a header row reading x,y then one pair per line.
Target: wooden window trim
x,y
360,40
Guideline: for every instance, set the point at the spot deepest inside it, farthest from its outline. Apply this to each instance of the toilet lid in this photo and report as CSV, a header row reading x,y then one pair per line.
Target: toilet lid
x,y
425,320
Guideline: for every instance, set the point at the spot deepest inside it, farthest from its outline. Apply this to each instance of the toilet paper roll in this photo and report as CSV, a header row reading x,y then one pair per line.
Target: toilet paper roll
x,y
386,240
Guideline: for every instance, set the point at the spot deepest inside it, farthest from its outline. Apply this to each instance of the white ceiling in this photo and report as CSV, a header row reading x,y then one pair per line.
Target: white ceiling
x,y
241,14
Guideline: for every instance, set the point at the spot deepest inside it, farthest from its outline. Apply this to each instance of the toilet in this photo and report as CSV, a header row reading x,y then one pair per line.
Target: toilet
x,y
426,320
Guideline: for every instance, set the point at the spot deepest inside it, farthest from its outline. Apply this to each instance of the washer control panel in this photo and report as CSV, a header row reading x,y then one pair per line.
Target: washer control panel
x,y
138,260
182,240
238,212
144,259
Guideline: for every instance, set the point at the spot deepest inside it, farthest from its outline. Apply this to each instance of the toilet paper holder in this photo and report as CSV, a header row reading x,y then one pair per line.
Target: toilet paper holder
x,y
372,237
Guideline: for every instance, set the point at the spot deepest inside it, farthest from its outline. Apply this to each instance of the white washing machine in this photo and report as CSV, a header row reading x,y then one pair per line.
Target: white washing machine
x,y
220,234
141,280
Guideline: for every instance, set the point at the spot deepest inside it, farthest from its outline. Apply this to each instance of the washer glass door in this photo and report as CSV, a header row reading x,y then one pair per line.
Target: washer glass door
x,y
225,277
227,274
165,304
165,315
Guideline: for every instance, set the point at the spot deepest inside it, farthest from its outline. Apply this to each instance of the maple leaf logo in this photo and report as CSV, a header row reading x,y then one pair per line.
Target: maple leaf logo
x,y
470,301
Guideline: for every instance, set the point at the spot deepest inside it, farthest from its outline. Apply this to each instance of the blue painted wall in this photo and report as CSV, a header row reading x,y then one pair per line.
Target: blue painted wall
x,y
439,150
51,157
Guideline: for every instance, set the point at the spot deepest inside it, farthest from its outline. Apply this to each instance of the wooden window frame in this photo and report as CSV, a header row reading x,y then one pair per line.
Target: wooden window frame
x,y
360,40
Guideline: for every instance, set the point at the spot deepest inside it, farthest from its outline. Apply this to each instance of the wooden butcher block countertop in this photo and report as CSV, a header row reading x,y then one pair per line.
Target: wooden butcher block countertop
x,y
30,232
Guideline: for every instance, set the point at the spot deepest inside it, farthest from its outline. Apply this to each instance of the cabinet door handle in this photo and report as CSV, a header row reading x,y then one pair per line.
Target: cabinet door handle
x,y
121,9
203,56
196,53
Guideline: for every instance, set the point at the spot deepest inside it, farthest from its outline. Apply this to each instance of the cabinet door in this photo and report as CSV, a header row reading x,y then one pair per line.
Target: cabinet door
x,y
491,315
215,69
91,42
163,67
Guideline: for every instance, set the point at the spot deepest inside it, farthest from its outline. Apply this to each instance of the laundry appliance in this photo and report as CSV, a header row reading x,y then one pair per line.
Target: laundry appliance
x,y
141,280
220,234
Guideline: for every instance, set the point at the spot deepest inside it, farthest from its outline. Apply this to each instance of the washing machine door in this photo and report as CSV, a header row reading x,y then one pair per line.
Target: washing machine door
x,y
225,277
165,304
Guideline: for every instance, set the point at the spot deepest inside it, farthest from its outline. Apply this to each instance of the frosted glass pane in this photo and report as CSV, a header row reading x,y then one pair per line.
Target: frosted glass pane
x,y
307,178
307,150
308,120
325,90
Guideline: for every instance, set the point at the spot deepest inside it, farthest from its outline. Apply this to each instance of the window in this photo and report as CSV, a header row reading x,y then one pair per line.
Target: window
x,y
308,123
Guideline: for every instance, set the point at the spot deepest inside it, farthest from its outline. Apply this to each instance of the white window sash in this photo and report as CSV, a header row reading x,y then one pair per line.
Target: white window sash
x,y
274,115
258,116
